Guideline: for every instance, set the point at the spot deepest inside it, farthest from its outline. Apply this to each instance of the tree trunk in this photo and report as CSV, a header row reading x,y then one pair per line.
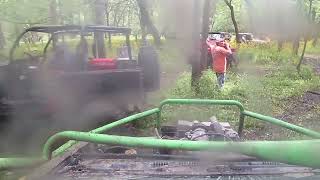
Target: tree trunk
x,y
100,15
129,19
233,18
305,40
295,46
109,34
315,41
315,30
2,39
302,55
205,30
146,23
236,29
17,32
53,13
195,61
280,45
123,19
212,20
53,17
143,31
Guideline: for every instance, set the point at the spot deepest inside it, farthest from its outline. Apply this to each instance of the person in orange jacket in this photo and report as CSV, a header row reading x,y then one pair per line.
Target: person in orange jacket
x,y
219,57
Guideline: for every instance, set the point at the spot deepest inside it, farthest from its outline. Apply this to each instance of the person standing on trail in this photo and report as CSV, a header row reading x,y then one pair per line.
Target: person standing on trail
x,y
219,57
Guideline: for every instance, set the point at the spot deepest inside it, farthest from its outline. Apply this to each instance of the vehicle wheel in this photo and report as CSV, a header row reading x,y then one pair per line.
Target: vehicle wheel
x,y
149,62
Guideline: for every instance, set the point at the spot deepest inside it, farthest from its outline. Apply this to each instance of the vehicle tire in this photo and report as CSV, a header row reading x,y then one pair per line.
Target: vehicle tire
x,y
149,62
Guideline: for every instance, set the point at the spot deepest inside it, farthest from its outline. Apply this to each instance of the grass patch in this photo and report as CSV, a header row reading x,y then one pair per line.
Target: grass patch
x,y
314,50
267,54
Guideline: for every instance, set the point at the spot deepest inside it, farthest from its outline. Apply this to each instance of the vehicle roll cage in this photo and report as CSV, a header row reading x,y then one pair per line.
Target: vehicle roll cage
x,y
59,29
294,152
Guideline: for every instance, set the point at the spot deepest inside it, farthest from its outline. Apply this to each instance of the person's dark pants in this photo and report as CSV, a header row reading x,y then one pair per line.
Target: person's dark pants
x,y
221,79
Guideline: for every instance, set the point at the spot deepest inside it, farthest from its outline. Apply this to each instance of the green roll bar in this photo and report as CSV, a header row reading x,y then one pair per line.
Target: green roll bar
x,y
203,102
243,114
93,136
303,153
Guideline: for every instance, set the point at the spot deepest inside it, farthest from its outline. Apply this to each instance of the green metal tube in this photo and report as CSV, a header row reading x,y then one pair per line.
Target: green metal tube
x,y
17,162
107,127
7,163
284,124
202,102
62,149
303,153
125,120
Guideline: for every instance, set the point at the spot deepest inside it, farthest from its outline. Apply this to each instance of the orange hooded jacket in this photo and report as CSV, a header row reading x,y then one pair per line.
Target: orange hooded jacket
x,y
219,57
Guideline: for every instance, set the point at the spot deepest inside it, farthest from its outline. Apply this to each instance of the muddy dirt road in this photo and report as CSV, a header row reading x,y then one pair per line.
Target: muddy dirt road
x,y
303,111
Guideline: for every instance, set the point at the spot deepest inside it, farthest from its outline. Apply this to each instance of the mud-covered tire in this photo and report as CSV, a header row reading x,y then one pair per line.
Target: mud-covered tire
x,y
149,63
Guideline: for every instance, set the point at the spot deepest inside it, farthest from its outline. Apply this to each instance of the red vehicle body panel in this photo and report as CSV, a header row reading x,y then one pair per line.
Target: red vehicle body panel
x,y
102,64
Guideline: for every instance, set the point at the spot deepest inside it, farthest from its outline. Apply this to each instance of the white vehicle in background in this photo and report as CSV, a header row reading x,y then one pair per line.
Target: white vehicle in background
x,y
249,37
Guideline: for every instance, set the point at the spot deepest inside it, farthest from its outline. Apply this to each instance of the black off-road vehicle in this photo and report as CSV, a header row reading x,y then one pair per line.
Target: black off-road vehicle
x,y
71,79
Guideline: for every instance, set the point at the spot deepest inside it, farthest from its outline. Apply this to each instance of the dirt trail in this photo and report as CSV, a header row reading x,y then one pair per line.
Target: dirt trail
x,y
303,111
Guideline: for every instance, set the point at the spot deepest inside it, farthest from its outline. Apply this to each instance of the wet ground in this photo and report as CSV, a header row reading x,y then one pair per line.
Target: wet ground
x,y
302,111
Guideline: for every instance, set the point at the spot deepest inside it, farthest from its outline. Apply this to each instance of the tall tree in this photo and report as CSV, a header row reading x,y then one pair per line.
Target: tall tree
x,y
53,14
53,18
108,5
146,23
195,61
305,38
204,32
316,30
100,16
233,18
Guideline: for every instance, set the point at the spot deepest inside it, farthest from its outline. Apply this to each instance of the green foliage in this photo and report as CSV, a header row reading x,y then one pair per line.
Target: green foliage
x,y
266,78
222,19
267,53
285,82
314,50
